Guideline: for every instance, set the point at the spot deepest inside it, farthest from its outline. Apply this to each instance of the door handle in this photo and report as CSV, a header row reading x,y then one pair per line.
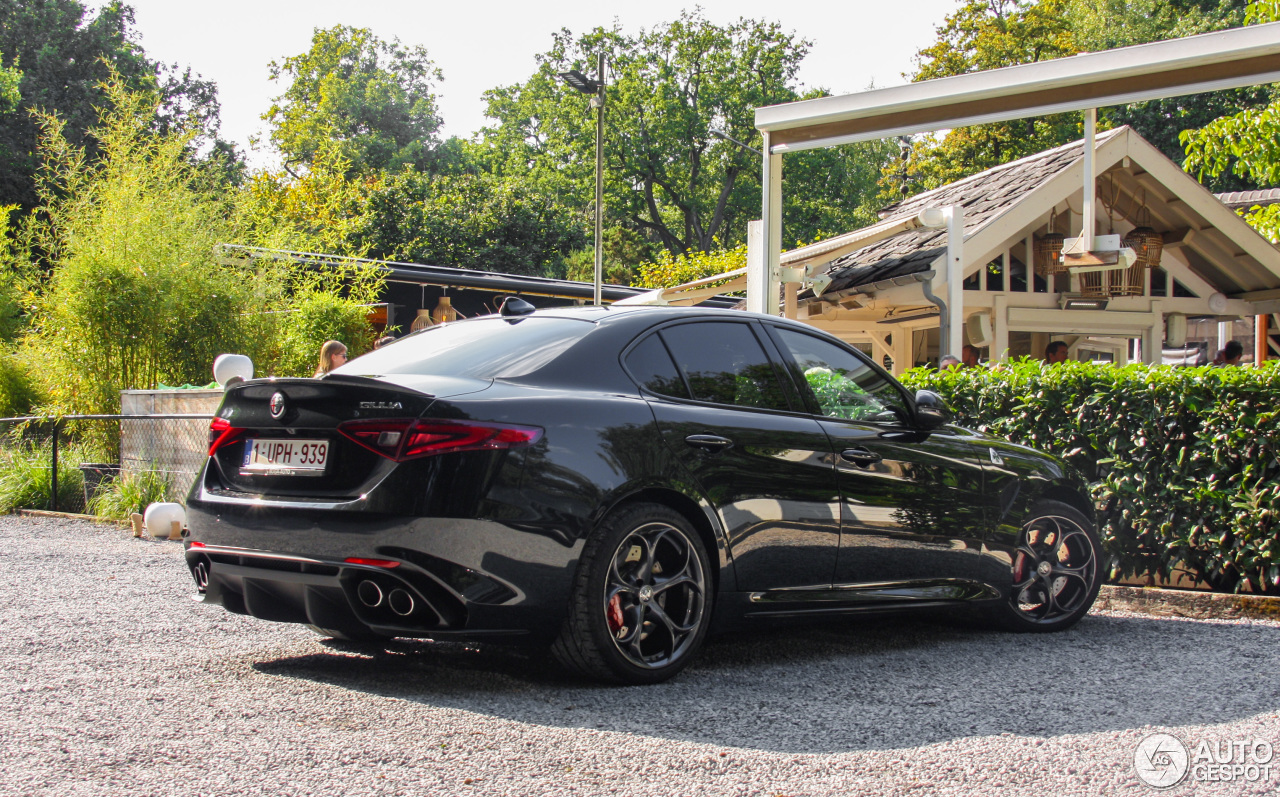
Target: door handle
x,y
860,457
709,442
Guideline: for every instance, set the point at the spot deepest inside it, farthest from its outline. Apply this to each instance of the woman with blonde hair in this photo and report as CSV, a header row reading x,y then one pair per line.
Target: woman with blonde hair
x,y
332,354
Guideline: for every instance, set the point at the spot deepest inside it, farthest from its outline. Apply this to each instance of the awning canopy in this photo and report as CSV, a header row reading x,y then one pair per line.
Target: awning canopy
x,y
1209,62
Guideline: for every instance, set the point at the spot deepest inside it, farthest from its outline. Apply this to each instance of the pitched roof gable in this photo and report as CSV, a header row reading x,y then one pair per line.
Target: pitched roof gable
x,y
985,197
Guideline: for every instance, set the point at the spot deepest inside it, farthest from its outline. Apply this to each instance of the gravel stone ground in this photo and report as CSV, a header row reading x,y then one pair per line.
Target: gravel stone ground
x,y
114,682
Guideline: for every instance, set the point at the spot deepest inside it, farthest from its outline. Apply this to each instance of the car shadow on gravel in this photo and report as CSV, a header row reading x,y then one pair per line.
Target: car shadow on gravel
x,y
878,684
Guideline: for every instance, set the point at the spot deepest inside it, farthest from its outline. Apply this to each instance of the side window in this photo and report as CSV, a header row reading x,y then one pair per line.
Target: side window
x,y
844,385
724,363
651,365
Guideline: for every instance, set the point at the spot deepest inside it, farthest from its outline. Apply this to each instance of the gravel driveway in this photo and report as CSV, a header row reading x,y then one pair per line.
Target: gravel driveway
x,y
113,681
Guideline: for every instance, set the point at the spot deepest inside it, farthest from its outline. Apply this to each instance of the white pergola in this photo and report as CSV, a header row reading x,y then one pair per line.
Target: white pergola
x,y
1208,62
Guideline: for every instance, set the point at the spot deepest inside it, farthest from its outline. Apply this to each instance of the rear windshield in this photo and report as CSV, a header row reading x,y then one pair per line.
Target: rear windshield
x,y
483,348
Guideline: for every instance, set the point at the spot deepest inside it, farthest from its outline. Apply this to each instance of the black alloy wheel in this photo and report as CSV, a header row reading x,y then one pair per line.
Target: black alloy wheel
x,y
642,598
1056,570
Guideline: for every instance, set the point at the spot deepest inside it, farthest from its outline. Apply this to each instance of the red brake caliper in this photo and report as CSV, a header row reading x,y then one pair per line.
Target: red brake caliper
x,y
614,614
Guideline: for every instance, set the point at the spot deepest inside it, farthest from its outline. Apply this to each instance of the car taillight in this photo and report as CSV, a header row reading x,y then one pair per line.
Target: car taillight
x,y
400,439
222,434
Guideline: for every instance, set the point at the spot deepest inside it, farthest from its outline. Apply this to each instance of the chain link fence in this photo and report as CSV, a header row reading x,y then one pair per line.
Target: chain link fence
x,y
102,464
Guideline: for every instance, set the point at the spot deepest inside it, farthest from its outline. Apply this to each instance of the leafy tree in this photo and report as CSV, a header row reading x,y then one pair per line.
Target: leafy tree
x,y
670,270
666,176
139,293
374,98
990,34
320,211
1246,143
135,296
833,190
11,294
10,96
479,221
983,35
622,251
64,55
1106,24
18,393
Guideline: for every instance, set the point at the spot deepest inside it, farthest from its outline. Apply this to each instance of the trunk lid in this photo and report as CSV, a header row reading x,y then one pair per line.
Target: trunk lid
x,y
280,437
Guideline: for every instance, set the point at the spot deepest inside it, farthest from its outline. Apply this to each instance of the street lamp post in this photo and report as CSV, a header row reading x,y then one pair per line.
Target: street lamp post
x,y
595,87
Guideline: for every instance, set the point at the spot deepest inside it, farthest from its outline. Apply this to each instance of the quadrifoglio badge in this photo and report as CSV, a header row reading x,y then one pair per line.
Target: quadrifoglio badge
x,y
1162,760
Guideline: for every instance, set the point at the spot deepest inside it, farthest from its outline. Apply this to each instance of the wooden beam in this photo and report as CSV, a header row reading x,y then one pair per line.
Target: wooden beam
x,y
1176,264
1208,207
1258,296
1177,237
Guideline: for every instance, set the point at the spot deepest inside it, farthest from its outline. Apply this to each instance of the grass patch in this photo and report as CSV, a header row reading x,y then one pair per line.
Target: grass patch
x,y
131,492
25,481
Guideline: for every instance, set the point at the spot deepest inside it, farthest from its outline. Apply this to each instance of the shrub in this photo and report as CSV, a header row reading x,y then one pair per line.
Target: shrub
x,y
319,312
134,294
18,390
673,270
1183,461
25,477
131,492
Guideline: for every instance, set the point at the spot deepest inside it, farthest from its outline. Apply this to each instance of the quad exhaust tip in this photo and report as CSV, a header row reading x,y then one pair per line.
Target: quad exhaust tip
x,y
401,602
201,574
370,594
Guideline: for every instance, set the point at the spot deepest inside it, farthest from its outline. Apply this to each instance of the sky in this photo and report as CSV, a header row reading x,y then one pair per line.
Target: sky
x,y
481,45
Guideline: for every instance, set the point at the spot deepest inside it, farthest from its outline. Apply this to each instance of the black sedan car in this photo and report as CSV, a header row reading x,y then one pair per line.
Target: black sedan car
x,y
616,483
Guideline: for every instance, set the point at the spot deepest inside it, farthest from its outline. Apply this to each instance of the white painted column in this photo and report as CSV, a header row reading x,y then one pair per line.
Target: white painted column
x,y
757,268
902,350
1090,178
1153,340
1224,335
771,214
1029,263
955,281
1000,329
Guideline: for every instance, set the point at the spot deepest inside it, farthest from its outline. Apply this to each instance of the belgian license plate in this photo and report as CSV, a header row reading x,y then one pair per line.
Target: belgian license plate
x,y
285,457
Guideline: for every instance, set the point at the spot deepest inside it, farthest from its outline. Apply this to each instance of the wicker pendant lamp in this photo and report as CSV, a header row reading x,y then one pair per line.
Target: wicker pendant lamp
x,y
1048,249
421,321
1148,245
444,311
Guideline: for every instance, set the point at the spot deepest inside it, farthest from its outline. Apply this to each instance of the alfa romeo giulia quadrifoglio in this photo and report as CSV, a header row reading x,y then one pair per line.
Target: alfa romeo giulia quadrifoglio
x,y
613,484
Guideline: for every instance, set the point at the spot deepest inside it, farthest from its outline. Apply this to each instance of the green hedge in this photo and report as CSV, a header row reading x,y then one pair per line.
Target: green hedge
x,y
1182,461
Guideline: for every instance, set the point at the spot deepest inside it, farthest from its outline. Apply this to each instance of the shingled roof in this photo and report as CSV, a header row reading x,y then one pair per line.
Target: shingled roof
x,y
985,197
1248,199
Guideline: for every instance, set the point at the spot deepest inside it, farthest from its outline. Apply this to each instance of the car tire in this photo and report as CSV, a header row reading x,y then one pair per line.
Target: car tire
x,y
641,599
1055,573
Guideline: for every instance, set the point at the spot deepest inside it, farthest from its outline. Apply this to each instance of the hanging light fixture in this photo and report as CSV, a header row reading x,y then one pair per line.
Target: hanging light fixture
x,y
1048,251
444,311
421,321
1144,240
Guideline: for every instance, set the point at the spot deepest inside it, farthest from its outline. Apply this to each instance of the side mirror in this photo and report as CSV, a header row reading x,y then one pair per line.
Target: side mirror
x,y
931,410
